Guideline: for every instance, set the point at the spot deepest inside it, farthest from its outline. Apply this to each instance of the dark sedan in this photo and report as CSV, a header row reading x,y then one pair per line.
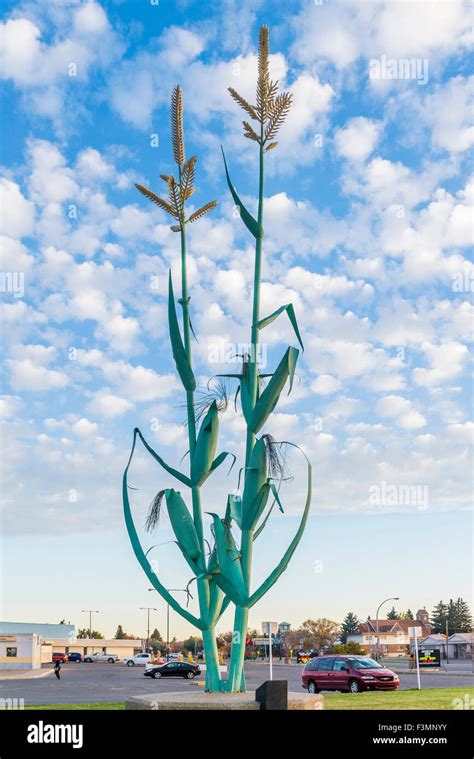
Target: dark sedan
x,y
173,669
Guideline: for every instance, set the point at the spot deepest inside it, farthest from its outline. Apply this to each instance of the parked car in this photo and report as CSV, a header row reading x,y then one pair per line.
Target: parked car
x,y
173,669
101,656
351,674
139,660
60,657
74,657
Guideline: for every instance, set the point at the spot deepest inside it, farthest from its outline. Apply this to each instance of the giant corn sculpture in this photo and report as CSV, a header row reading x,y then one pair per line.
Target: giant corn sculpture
x,y
223,574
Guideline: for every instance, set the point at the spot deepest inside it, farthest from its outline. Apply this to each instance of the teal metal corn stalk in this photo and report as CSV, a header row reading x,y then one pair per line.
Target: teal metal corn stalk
x,y
187,526
260,488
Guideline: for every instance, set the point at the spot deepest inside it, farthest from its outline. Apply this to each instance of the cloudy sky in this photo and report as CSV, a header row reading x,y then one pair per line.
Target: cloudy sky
x,y
368,230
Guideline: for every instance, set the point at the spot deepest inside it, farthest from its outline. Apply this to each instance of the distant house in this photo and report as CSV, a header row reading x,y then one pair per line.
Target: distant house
x,y
394,634
459,645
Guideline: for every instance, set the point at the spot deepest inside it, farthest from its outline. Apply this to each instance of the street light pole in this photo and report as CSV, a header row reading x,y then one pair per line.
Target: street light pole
x,y
167,632
90,612
148,609
395,598
170,590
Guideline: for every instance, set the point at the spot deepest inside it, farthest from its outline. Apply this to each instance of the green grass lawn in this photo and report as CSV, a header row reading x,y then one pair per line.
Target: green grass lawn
x,y
430,698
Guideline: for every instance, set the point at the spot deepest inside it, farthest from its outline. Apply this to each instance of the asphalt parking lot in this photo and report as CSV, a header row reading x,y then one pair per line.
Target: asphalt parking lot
x,y
99,683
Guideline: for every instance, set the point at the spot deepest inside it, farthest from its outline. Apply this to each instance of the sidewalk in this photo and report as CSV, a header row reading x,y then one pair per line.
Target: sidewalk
x,y
24,674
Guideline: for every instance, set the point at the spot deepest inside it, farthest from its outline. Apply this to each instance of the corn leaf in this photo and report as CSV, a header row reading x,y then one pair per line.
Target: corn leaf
x,y
255,479
269,398
220,459
140,554
228,556
252,225
234,509
179,475
179,354
278,571
291,315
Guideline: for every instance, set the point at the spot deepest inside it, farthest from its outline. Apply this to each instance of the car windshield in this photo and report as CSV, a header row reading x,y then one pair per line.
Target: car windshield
x,y
364,663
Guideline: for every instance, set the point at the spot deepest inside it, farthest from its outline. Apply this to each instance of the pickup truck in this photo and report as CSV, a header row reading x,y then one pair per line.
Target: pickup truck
x,y
100,656
139,660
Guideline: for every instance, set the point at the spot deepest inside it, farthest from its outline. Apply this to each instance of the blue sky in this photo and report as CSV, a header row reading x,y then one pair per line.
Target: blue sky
x,y
368,232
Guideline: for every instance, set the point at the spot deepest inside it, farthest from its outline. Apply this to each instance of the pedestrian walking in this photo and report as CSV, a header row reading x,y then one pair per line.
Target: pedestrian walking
x,y
57,669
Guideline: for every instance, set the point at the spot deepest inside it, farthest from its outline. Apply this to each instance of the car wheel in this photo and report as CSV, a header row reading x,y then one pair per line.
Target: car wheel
x,y
354,686
111,661
156,675
88,661
190,675
312,687
130,664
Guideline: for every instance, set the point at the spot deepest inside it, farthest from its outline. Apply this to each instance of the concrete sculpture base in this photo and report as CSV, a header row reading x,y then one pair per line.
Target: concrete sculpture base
x,y
217,701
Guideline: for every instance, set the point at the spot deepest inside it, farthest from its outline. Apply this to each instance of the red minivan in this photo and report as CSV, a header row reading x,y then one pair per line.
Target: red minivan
x,y
347,673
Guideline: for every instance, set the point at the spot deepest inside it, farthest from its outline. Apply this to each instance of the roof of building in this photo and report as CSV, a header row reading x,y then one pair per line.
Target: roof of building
x,y
391,625
45,630
468,637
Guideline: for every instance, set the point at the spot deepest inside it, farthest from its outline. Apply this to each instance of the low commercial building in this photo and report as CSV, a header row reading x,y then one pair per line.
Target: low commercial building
x,y
38,642
122,648
20,651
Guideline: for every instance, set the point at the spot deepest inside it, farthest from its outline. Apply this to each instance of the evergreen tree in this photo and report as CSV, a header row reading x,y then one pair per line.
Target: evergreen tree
x,y
119,635
156,635
439,616
349,625
392,614
464,617
459,616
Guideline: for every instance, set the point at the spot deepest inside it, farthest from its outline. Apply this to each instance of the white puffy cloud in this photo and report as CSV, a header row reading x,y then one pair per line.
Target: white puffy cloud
x,y
16,213
325,384
84,428
28,61
50,62
9,405
26,375
50,180
14,255
357,140
401,410
343,31
448,113
446,361
107,404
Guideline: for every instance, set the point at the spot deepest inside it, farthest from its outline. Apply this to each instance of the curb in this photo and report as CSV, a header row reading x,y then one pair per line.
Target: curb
x,y
41,673
434,672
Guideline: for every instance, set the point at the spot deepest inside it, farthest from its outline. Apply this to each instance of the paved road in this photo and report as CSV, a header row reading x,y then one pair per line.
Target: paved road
x,y
95,683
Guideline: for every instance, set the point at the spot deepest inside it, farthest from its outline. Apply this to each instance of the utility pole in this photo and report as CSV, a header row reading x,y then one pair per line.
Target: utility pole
x,y
170,590
90,612
148,609
447,641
